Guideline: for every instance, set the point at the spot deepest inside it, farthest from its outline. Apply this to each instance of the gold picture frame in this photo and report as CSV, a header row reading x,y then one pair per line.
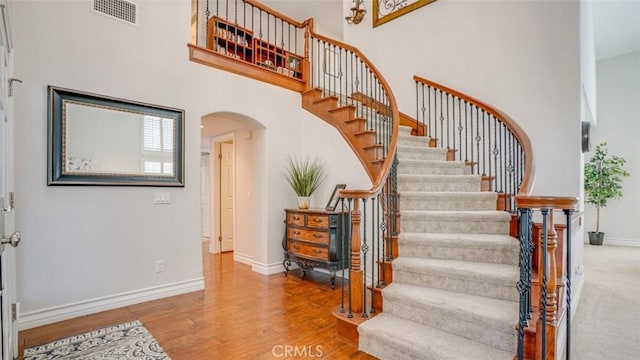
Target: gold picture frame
x,y
387,10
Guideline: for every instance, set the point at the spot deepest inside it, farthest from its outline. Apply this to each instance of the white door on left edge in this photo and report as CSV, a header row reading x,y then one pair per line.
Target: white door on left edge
x,y
227,181
10,237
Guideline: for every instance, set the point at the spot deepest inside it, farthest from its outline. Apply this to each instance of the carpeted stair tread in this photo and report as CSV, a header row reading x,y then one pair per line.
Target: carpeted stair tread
x,y
490,248
494,273
406,152
406,139
497,281
490,321
425,182
431,167
390,337
476,222
448,200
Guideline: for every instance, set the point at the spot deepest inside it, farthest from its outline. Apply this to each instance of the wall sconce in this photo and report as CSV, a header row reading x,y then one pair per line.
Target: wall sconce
x,y
357,13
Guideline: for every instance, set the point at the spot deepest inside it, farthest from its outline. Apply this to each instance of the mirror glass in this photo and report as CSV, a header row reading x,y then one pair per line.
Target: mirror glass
x,y
100,140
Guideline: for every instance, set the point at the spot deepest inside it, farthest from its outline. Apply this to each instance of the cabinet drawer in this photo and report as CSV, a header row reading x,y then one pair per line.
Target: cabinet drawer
x,y
318,221
295,219
309,250
319,237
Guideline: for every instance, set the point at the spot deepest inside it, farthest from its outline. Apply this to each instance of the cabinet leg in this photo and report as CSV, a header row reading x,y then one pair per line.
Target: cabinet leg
x,y
333,279
286,264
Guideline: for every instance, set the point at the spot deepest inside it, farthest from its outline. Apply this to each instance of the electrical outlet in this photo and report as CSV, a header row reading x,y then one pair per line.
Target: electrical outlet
x,y
159,266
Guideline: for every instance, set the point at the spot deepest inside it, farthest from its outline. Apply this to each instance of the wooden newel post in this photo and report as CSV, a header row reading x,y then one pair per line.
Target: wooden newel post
x,y
356,271
549,302
306,63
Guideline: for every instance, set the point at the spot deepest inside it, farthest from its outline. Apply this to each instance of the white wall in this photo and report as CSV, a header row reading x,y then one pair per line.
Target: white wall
x,y
588,63
84,244
619,127
522,57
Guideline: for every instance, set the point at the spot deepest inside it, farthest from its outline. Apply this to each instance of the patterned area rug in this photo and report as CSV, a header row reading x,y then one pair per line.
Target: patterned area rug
x,y
130,340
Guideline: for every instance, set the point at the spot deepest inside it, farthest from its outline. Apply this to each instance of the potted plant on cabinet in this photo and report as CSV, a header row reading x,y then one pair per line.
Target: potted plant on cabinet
x,y
304,176
603,175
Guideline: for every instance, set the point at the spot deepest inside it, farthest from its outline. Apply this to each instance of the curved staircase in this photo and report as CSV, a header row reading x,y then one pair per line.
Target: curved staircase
x,y
454,293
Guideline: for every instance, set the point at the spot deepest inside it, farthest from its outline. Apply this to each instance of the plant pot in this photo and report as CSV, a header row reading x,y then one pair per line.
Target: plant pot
x,y
304,202
596,238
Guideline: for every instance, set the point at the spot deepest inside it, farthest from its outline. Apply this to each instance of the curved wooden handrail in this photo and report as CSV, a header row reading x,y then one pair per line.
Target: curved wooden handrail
x,y
274,13
380,180
518,132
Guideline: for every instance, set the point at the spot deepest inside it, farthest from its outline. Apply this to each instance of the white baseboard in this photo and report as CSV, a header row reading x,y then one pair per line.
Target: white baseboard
x,y
64,312
267,269
621,241
241,258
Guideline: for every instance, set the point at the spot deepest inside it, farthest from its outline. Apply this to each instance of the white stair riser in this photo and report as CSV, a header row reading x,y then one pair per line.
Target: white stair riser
x,y
498,335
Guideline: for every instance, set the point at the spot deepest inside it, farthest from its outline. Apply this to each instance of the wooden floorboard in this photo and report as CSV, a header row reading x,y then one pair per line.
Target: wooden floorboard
x,y
240,315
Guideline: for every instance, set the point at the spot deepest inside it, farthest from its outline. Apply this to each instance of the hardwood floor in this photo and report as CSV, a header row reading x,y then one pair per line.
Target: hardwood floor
x,y
240,315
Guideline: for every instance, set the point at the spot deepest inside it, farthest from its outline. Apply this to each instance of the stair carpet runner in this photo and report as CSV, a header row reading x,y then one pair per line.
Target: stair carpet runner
x,y
453,294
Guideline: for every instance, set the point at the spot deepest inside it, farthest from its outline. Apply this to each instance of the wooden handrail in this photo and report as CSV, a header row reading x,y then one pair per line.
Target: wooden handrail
x,y
274,13
518,132
547,202
380,180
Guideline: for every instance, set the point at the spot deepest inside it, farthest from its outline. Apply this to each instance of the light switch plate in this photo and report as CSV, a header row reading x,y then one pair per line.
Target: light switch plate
x,y
162,198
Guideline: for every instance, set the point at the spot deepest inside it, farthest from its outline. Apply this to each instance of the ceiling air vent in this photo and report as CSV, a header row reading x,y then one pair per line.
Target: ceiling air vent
x,y
118,9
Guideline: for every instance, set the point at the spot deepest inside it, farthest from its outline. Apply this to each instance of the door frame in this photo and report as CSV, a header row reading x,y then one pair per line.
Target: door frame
x,y
214,245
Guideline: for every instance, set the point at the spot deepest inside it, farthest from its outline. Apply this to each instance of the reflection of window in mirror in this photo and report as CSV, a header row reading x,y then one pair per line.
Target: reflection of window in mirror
x,y
157,154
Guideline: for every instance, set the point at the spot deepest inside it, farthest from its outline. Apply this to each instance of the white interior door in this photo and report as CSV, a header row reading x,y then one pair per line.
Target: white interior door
x,y
10,238
205,199
227,178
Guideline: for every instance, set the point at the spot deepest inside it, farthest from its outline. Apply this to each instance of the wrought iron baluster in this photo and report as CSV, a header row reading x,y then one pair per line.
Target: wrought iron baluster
x,y
569,271
350,314
343,256
374,203
490,151
484,147
418,106
460,128
440,118
448,122
364,249
543,288
523,286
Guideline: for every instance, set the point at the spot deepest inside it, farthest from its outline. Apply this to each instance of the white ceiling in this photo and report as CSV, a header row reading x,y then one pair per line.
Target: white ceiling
x,y
616,26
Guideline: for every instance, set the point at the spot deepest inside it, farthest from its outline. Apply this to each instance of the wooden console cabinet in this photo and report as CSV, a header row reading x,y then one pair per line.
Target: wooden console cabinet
x,y
313,238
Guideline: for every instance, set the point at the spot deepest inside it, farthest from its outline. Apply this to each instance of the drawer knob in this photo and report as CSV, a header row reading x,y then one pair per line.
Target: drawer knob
x,y
317,236
296,247
296,233
317,220
316,251
296,218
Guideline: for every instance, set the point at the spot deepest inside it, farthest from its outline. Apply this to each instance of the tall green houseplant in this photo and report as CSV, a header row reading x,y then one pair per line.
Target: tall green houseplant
x,y
304,176
603,175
